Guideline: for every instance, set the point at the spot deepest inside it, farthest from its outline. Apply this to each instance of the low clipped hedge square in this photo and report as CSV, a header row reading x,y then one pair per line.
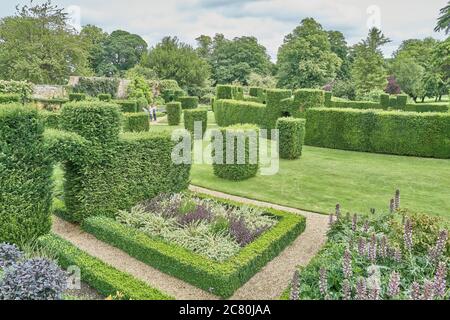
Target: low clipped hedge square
x,y
291,137
221,279
104,278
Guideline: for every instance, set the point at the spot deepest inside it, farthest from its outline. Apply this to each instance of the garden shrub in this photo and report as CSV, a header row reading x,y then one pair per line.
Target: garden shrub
x,y
256,92
9,255
305,99
104,97
291,137
127,105
9,98
173,110
224,92
423,107
237,165
188,102
356,105
191,116
115,171
221,279
401,133
170,95
99,275
22,88
77,96
402,99
229,112
393,102
34,279
50,118
136,122
25,175
275,107
141,104
95,86
328,96
384,101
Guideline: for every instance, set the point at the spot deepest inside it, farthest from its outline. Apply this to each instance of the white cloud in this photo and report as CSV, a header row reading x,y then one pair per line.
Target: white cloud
x,y
268,20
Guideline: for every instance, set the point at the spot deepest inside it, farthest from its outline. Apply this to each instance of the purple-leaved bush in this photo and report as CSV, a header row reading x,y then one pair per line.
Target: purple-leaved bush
x,y
201,213
9,254
240,231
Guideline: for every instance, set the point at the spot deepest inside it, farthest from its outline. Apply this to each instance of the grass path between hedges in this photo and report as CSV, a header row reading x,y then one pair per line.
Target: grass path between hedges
x,y
272,280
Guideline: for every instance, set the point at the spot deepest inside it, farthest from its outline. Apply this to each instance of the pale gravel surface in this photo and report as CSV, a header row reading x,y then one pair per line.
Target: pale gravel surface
x,y
273,279
268,284
123,262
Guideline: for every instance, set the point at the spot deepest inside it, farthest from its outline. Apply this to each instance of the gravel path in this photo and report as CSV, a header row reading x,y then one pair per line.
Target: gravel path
x,y
273,279
122,261
268,284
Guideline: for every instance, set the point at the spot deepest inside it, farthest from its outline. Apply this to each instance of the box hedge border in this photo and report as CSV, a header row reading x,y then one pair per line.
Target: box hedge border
x,y
106,279
221,279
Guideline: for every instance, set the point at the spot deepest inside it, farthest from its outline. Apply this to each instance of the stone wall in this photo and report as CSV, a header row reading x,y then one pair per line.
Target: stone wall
x,y
49,91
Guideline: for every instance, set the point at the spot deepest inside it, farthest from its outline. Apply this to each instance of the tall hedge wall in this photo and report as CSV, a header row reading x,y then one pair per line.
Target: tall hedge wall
x,y
25,175
305,99
116,171
401,133
275,106
229,112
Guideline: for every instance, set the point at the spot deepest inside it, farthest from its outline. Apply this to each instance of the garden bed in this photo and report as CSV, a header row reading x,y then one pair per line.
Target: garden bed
x,y
221,277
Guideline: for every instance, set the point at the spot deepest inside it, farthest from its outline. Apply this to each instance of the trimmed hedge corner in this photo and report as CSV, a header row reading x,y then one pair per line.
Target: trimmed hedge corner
x,y
236,166
230,112
25,175
291,137
104,278
401,133
188,102
193,116
136,122
221,279
173,110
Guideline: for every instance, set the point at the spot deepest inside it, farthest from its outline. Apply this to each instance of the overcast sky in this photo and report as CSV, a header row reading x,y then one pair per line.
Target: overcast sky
x,y
268,20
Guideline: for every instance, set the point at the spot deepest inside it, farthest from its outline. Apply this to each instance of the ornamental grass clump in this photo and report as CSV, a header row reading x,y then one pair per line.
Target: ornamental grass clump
x,y
203,226
398,255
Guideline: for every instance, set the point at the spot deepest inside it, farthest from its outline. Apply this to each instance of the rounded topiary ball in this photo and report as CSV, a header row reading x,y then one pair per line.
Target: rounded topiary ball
x,y
231,161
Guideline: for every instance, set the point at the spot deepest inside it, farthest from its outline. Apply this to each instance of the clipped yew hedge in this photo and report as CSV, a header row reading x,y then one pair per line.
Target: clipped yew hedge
x,y
77,96
188,102
229,161
193,116
112,171
291,137
107,280
25,175
424,107
230,112
127,106
392,132
356,105
136,122
9,98
173,110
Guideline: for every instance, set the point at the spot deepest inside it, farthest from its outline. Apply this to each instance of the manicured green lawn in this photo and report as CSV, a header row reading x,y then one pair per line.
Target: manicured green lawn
x,y
358,181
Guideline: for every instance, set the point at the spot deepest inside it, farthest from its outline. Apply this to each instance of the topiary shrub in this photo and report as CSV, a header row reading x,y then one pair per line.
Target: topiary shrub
x,y
25,175
305,99
77,96
224,92
384,101
291,137
127,105
393,102
9,98
173,110
188,102
275,107
231,162
402,99
257,92
328,96
111,172
34,279
50,119
230,112
195,115
104,97
136,122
